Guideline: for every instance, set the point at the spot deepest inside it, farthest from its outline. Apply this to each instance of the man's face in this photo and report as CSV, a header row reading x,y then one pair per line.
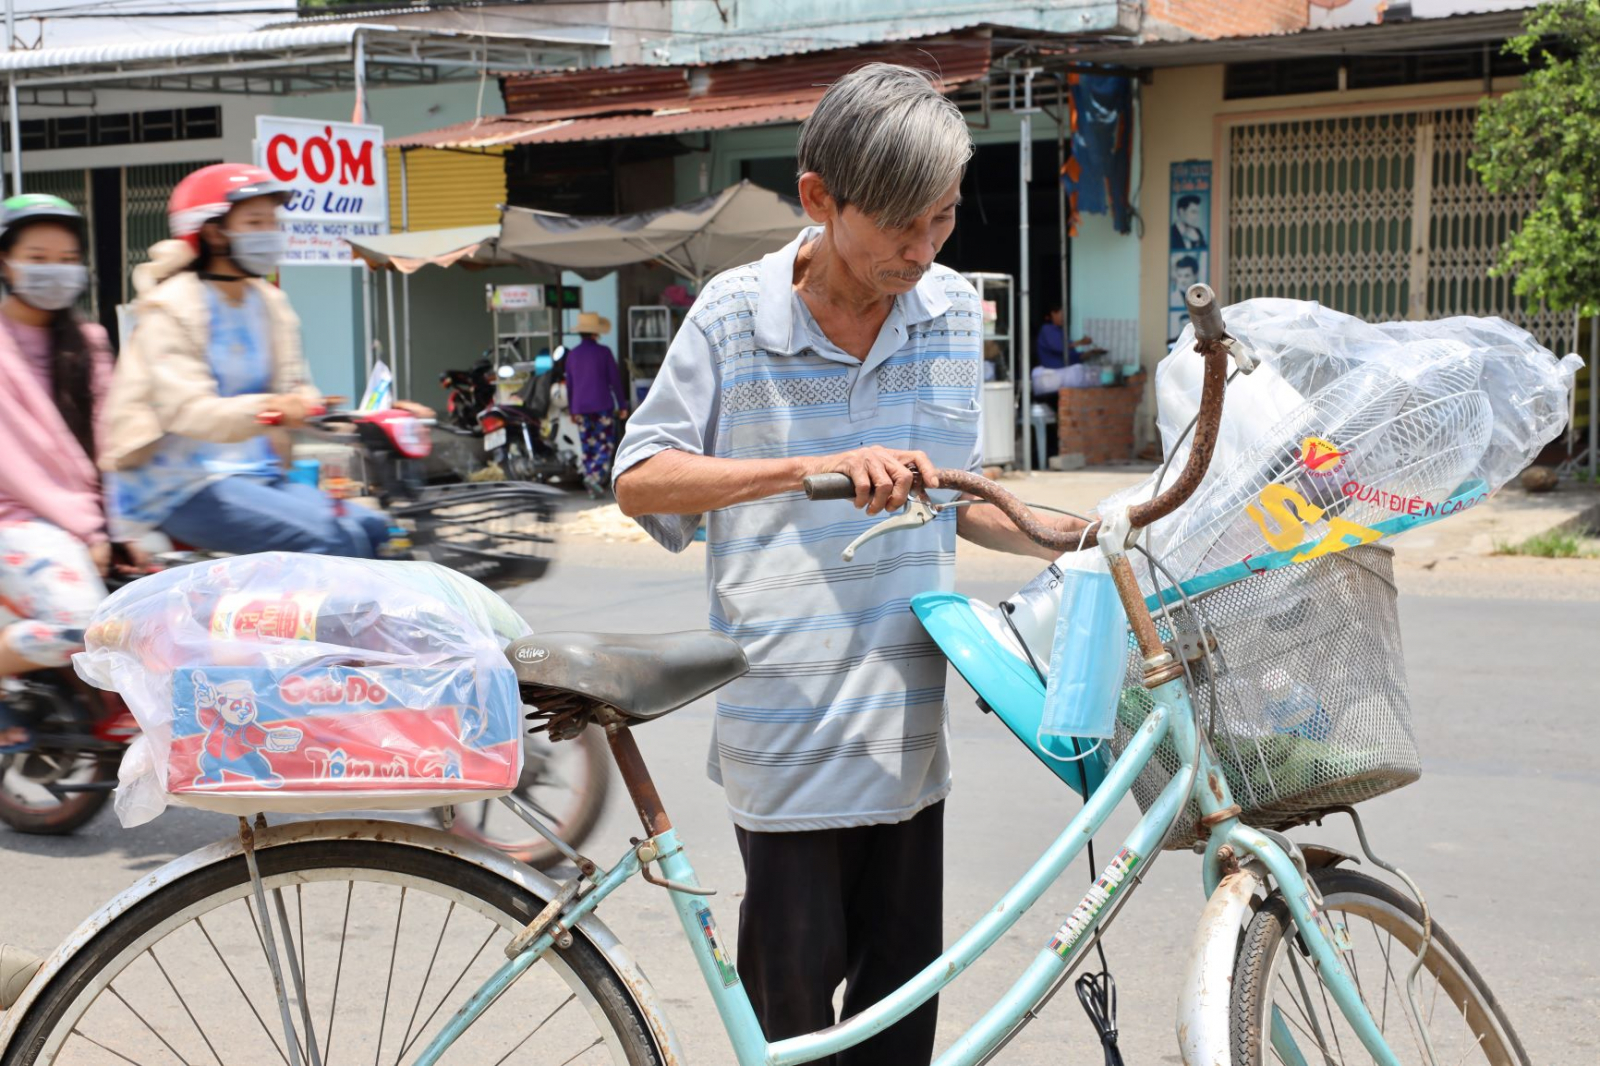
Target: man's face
x,y
1190,215
1055,318
1183,277
892,261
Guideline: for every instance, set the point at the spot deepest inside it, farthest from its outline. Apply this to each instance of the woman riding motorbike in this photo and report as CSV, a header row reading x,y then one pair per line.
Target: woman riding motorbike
x,y
54,369
214,348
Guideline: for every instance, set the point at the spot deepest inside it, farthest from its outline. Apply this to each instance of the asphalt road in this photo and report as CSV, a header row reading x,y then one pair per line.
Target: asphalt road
x,y
1499,831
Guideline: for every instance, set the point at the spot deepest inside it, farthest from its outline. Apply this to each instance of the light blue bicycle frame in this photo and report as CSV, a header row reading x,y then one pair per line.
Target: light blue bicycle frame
x,y
1172,721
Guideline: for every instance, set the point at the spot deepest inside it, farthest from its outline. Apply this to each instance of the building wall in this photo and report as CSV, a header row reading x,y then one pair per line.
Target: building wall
x,y
1183,112
1224,18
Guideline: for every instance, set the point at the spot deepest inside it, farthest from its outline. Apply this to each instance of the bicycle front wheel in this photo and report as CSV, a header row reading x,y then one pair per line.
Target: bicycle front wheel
x,y
1281,1014
378,943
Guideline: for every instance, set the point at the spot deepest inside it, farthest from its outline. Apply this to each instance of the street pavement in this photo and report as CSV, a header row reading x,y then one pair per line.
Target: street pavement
x,y
1499,831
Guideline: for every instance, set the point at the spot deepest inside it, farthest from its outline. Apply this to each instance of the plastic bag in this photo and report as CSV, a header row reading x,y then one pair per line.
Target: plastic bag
x,y
306,683
1347,432
1087,657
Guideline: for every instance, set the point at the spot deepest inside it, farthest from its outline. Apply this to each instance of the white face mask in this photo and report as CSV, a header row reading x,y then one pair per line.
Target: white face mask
x,y
48,286
258,252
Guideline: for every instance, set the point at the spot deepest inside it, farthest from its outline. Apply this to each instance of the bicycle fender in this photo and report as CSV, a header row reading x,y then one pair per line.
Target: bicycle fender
x,y
416,836
1204,1024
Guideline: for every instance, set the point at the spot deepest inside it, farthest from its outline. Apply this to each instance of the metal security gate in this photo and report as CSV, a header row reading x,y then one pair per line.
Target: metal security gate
x,y
145,191
1377,215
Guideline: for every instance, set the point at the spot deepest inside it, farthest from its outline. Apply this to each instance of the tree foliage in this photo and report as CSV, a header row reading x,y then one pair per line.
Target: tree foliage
x,y
1544,138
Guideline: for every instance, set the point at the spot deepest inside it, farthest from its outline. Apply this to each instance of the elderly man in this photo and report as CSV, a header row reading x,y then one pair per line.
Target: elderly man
x,y
850,350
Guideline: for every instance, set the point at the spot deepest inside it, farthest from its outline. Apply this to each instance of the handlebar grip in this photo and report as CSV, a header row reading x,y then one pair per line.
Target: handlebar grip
x,y
1204,313
829,487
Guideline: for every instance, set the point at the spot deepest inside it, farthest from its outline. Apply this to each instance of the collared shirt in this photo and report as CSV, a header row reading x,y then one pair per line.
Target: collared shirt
x,y
841,719
594,381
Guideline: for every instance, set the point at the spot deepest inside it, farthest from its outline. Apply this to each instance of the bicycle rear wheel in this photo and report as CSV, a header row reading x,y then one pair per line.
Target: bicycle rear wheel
x,y
388,941
1280,1013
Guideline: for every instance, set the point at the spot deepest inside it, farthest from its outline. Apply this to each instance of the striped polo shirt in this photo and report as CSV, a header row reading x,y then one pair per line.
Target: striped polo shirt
x,y
841,720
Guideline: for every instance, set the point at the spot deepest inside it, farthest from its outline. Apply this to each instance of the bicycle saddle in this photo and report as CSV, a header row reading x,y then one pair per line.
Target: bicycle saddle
x,y
641,675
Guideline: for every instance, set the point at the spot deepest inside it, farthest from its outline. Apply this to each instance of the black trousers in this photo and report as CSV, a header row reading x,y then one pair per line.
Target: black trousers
x,y
863,906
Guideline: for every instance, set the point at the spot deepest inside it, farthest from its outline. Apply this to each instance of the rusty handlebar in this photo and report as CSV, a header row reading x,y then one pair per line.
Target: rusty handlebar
x,y
1211,341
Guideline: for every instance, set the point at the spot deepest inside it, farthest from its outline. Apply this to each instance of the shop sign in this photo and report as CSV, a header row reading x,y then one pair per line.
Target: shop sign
x,y
340,183
515,297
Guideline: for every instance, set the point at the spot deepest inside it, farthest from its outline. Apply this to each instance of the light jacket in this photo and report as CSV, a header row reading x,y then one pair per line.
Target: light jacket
x,y
163,381
45,473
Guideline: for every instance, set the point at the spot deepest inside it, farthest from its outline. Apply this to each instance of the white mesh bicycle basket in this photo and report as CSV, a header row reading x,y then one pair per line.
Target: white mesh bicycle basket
x,y
1311,707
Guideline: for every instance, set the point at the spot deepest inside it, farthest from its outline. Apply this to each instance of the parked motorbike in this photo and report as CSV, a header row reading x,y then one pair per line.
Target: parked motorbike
x,y
467,393
533,437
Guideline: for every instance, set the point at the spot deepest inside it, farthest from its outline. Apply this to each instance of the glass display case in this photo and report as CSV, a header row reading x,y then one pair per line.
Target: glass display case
x,y
650,331
996,296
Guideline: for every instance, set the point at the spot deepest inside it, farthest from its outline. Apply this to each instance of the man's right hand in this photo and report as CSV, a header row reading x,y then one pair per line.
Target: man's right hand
x,y
883,476
291,408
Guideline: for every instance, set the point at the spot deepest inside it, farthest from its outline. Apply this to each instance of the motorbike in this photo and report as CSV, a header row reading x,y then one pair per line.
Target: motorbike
x,y
490,531
467,393
532,437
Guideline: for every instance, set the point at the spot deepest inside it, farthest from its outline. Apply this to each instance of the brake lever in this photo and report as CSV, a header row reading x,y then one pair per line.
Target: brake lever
x,y
917,513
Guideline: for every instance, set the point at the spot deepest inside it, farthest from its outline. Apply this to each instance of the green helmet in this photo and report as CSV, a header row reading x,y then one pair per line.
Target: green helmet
x,y
37,206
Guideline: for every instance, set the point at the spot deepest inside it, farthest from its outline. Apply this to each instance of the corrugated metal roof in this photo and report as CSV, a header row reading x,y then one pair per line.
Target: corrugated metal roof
x,y
291,48
184,47
1378,39
595,89
508,131
615,104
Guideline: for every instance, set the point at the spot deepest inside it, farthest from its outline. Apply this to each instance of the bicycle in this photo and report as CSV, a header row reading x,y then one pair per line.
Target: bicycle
x,y
1295,959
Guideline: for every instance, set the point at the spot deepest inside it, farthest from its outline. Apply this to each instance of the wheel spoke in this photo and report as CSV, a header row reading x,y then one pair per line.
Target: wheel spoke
x,y
255,924
518,1045
388,987
1327,1008
145,1022
171,1009
1411,1023
405,1040
185,1005
1311,1008
448,991
338,970
102,1047
242,994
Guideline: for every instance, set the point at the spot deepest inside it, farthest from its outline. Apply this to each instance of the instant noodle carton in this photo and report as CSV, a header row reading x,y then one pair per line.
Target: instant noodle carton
x,y
249,738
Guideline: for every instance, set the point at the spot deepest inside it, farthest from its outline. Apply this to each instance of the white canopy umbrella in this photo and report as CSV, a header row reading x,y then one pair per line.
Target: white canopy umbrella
x,y
470,246
697,239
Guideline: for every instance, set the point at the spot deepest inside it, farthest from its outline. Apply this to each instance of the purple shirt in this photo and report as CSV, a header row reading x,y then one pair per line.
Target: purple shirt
x,y
594,381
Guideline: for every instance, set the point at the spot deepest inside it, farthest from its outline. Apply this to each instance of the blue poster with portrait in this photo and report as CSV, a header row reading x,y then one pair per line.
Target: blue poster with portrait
x,y
1188,237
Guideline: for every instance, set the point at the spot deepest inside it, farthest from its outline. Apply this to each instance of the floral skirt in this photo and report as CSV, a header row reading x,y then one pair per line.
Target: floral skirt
x,y
598,434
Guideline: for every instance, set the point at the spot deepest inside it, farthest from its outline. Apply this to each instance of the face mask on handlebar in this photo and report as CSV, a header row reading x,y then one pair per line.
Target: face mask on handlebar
x,y
257,252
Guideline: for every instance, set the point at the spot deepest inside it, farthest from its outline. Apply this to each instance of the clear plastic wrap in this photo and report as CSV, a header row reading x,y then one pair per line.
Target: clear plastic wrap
x,y
1348,432
304,683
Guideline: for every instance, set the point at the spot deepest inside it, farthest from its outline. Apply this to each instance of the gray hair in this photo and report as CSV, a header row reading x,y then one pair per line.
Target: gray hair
x,y
885,140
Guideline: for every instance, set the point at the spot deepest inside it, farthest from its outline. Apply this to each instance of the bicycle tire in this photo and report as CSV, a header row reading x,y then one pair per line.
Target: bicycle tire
x,y
1349,895
127,939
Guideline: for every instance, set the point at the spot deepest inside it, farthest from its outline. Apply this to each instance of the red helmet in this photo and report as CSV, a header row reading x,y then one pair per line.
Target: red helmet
x,y
209,192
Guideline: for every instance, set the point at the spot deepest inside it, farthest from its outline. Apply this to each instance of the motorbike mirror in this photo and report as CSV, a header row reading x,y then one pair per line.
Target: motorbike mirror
x,y
561,350
507,372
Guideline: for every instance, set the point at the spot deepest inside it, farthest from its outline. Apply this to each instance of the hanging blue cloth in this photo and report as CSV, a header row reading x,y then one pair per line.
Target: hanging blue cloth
x,y
1102,146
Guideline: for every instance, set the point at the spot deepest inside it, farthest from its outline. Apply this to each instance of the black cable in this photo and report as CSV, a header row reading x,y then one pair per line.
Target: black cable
x,y
1097,992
